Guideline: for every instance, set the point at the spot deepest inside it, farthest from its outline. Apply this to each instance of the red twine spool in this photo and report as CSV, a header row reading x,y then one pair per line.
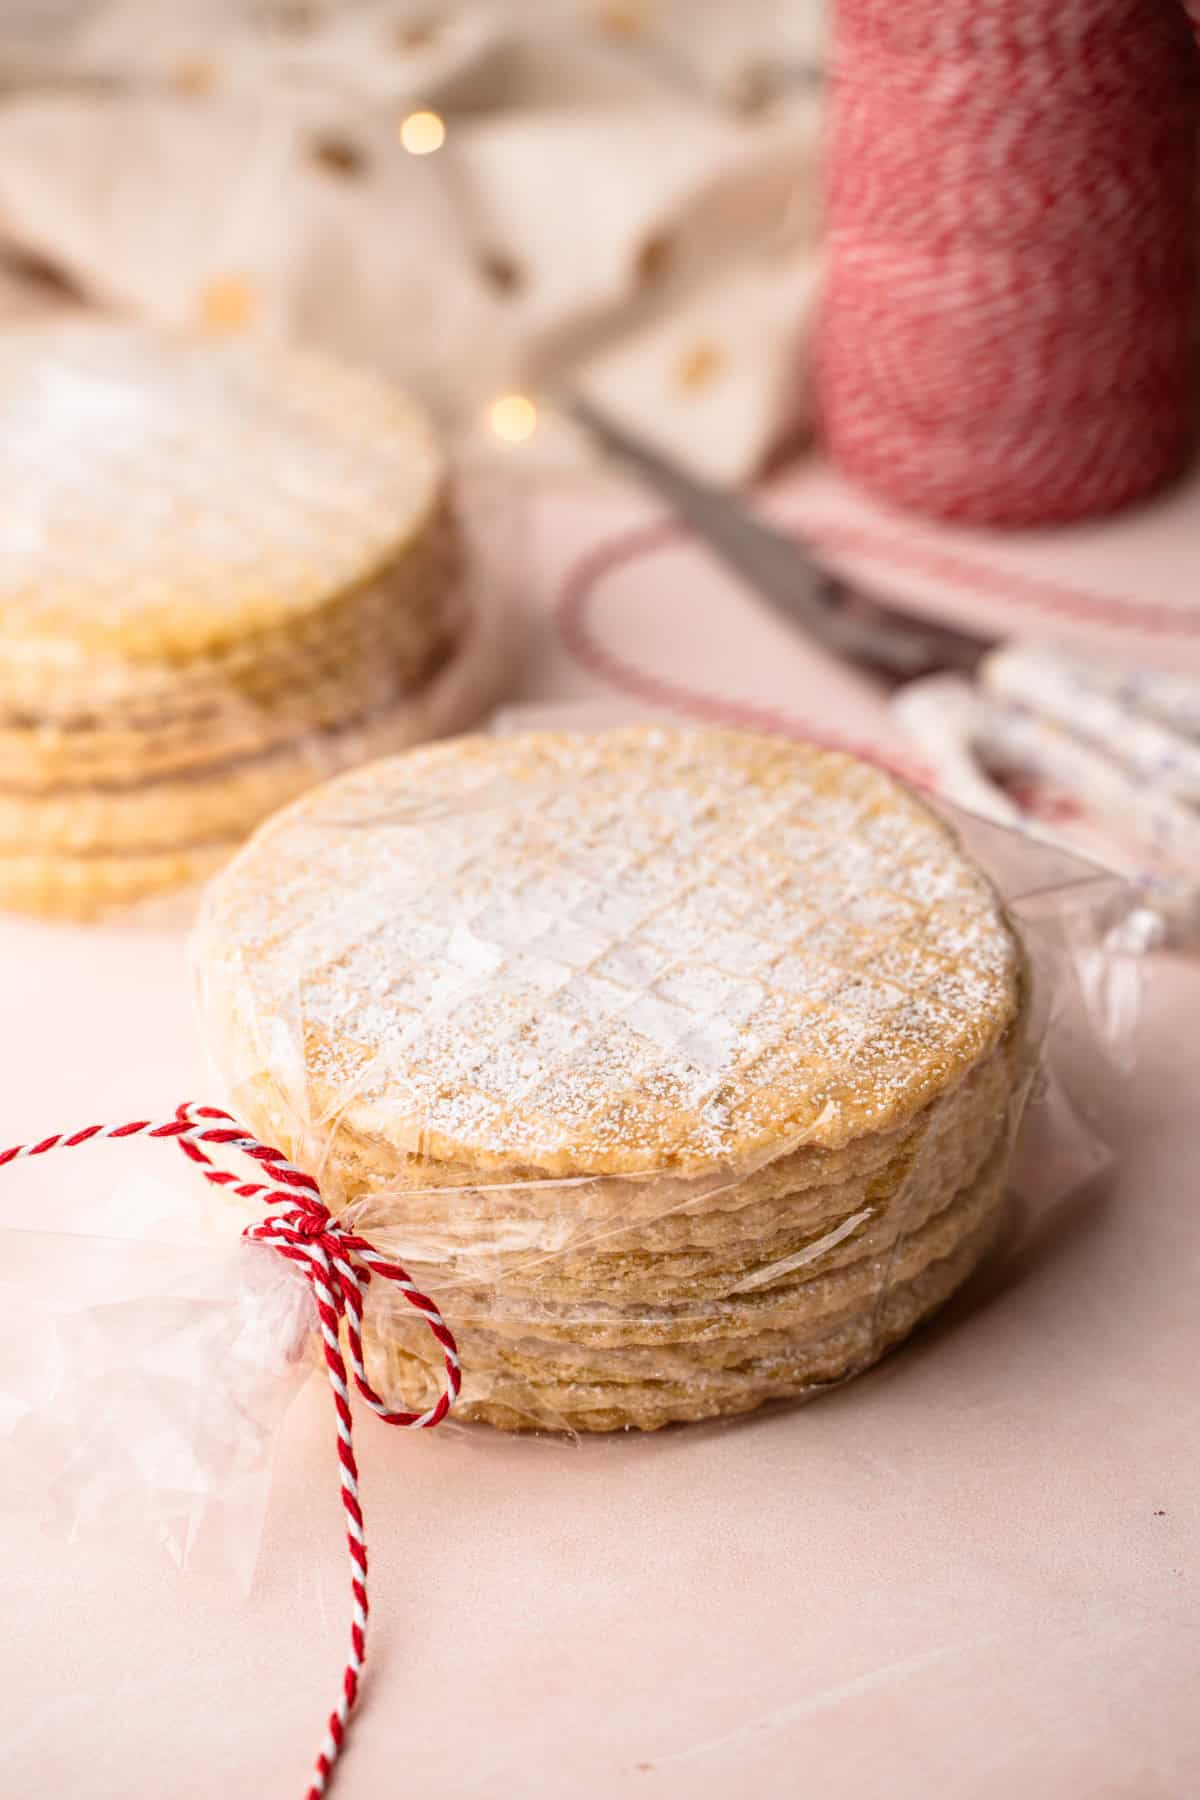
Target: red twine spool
x,y
338,1266
1009,330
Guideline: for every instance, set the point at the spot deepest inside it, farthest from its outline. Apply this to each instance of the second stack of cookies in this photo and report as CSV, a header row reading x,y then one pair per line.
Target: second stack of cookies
x,y
232,570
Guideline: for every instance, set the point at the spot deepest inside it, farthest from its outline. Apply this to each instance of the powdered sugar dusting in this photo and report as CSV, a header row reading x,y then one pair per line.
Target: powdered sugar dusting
x,y
647,944
141,472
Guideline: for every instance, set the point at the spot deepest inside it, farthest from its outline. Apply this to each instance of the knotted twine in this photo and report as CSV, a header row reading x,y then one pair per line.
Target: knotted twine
x,y
338,1266
1009,329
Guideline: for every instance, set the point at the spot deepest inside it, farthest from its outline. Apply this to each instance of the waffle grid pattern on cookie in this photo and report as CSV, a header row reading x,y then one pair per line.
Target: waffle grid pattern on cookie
x,y
531,1011
550,993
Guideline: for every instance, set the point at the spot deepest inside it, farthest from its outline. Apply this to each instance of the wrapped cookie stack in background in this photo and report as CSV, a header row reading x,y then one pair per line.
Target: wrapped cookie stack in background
x,y
231,571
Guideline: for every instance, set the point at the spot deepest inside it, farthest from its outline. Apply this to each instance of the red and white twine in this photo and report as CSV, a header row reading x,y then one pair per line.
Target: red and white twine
x,y
338,1266
1008,329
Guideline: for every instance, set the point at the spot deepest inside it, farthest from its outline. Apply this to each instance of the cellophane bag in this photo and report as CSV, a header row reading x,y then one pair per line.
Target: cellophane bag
x,y
499,1257
195,1352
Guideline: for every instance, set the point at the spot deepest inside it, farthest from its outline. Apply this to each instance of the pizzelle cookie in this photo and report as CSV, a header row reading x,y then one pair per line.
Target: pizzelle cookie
x,y
679,1065
227,564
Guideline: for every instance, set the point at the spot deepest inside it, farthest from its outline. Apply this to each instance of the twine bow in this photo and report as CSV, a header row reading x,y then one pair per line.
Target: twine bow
x,y
338,1266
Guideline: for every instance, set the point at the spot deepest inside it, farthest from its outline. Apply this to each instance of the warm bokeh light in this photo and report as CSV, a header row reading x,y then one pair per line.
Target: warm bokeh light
x,y
513,417
228,303
422,132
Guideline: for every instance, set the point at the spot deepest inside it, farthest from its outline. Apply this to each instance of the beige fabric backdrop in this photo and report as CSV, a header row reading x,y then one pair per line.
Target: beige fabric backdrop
x,y
626,196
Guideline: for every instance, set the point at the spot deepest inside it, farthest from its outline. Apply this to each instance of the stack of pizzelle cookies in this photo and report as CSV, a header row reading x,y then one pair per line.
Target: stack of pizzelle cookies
x,y
679,1066
230,570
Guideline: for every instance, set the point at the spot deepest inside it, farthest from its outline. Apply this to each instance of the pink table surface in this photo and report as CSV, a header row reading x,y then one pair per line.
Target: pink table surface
x,y
971,1572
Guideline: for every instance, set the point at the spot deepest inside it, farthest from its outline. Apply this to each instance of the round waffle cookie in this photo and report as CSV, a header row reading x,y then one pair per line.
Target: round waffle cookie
x,y
226,563
680,1065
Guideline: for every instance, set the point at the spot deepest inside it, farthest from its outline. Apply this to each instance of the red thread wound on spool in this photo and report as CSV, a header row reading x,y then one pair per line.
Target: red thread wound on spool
x,y
1009,333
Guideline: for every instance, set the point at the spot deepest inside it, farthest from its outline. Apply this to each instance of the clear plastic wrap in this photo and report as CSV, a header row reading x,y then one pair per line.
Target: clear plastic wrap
x,y
148,1357
196,1354
522,1236
519,1042
234,570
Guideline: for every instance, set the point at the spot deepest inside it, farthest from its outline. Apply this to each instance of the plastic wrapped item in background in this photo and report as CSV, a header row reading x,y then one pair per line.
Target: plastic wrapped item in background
x,y
215,1341
1112,747
234,569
